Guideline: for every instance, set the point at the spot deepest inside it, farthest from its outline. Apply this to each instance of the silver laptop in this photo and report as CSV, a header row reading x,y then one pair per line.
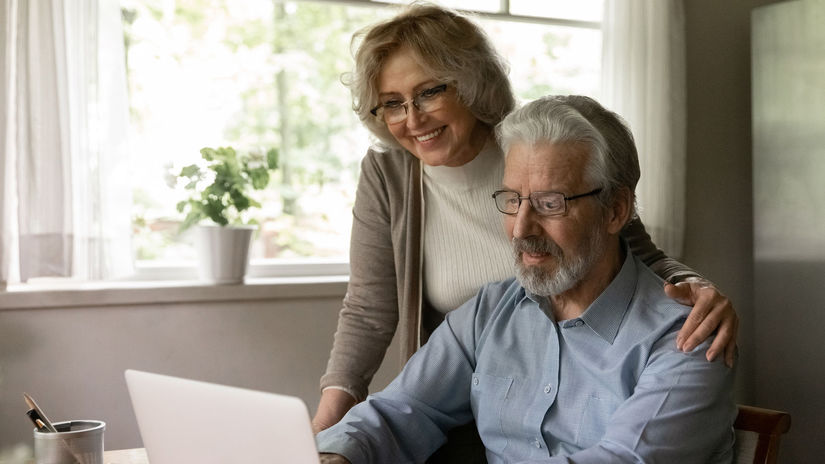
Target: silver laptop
x,y
187,421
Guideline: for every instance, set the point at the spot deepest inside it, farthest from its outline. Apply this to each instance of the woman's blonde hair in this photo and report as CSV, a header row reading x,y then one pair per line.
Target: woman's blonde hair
x,y
449,46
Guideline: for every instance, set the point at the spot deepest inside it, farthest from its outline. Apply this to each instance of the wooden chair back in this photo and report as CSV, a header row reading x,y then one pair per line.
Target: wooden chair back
x,y
758,431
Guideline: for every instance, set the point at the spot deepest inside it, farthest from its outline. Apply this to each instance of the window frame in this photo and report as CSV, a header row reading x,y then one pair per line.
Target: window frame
x,y
165,271
503,13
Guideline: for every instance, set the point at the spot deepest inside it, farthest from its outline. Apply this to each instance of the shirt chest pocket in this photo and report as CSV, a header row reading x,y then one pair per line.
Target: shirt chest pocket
x,y
593,425
488,396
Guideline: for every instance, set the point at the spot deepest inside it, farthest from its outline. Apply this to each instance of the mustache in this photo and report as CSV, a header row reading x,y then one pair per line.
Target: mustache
x,y
536,245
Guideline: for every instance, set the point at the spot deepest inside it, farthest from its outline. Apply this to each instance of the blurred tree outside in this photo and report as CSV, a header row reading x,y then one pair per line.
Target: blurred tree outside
x,y
266,73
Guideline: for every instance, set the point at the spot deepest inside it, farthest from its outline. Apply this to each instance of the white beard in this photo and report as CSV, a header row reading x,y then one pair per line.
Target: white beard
x,y
570,270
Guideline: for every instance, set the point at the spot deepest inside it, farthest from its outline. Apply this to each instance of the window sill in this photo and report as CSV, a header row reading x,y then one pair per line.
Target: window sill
x,y
74,294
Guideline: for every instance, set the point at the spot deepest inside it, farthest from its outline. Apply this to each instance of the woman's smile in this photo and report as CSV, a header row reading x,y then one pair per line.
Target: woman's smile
x,y
449,135
427,137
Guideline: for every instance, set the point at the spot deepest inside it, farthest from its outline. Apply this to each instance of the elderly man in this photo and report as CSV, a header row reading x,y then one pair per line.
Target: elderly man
x,y
574,360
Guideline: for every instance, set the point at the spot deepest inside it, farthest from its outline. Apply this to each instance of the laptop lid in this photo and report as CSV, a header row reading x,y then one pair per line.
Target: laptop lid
x,y
183,420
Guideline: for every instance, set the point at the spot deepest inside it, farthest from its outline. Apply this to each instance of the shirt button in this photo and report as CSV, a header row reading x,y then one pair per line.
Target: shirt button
x,y
579,323
547,388
537,443
475,380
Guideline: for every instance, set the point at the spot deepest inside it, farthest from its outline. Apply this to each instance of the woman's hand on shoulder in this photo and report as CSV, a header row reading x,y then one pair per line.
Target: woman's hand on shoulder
x,y
712,311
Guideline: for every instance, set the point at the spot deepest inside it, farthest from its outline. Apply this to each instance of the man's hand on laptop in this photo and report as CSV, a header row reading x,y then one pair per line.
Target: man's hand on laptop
x,y
329,458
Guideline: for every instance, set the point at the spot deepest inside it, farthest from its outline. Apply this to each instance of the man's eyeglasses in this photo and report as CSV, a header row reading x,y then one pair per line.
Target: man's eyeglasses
x,y
395,111
543,203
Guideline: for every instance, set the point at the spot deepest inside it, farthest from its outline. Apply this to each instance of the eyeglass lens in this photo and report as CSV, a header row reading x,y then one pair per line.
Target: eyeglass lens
x,y
545,203
426,101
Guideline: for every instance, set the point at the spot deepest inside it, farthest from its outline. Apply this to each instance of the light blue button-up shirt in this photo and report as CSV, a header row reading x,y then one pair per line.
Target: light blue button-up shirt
x,y
607,387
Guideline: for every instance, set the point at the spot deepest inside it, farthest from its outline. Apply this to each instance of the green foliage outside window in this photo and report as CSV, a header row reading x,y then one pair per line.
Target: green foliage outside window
x,y
268,74
297,104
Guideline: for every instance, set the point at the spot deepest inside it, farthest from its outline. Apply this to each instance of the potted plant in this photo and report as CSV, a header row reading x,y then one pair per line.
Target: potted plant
x,y
219,206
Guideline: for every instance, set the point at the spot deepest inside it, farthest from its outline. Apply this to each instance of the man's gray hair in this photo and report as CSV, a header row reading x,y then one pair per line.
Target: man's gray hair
x,y
614,162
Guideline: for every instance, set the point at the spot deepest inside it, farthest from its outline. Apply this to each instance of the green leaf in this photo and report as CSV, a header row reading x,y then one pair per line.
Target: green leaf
x,y
213,209
193,170
241,201
208,153
226,154
272,158
260,177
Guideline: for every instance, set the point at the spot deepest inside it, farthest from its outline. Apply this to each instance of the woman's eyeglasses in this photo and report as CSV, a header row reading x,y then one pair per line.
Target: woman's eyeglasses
x,y
395,111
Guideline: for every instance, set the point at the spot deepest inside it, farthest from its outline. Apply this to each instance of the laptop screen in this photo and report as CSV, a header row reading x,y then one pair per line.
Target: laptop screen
x,y
182,420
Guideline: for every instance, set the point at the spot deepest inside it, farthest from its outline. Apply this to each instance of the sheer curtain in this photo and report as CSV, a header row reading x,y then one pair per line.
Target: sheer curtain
x,y
643,69
7,33
66,202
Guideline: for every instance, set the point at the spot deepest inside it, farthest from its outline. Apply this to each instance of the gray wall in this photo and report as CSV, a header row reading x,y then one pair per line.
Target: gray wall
x,y
789,217
69,350
780,306
718,236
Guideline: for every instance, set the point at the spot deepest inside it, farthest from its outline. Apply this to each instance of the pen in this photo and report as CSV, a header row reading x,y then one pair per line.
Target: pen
x,y
43,424
38,422
41,416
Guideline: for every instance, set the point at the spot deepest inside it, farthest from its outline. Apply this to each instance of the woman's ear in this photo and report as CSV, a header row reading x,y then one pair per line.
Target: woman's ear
x,y
618,214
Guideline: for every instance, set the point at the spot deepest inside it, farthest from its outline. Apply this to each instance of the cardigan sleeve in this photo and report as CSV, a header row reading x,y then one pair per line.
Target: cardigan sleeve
x,y
368,319
642,246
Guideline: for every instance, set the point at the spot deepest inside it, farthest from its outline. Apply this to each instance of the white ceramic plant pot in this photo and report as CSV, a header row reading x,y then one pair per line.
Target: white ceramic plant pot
x,y
223,252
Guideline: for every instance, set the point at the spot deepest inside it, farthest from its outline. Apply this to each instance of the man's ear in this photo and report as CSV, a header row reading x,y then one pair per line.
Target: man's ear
x,y
618,214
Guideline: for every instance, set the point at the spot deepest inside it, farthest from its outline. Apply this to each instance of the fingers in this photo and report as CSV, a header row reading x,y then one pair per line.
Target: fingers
x,y
712,312
720,342
680,293
700,324
700,311
725,341
730,349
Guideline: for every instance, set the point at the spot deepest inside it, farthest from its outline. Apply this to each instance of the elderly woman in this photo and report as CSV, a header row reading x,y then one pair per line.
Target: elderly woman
x,y
425,234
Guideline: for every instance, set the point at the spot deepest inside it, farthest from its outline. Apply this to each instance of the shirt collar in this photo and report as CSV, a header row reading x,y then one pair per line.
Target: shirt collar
x,y
605,314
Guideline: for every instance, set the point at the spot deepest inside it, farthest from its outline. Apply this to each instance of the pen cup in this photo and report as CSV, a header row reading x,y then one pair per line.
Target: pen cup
x,y
76,442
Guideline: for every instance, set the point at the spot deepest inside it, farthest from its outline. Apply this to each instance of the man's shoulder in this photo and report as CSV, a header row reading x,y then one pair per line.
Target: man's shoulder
x,y
651,309
506,289
492,300
650,288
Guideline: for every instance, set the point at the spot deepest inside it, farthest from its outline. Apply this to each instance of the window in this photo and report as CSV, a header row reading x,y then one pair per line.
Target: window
x,y
256,74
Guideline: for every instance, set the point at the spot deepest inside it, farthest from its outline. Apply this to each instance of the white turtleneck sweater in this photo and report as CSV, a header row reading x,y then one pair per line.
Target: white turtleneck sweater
x,y
465,245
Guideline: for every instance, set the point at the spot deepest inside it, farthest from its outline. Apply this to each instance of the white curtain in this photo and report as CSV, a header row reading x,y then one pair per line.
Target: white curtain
x,y
643,69
7,33
66,202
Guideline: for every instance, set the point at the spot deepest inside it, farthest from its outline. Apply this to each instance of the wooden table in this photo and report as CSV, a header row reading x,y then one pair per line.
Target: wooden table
x,y
127,456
